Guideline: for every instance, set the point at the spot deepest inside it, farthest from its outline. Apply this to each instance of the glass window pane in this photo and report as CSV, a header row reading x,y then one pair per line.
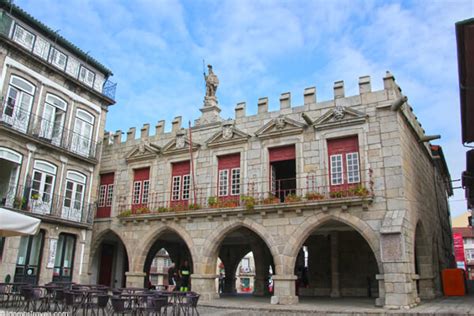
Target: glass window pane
x,y
223,182
35,251
21,259
59,251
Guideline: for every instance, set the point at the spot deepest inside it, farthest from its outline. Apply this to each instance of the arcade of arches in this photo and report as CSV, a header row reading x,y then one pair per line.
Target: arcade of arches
x,y
333,254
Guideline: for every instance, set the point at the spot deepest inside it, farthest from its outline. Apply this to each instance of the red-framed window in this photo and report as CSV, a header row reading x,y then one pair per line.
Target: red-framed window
x,y
106,194
344,165
228,176
140,188
180,183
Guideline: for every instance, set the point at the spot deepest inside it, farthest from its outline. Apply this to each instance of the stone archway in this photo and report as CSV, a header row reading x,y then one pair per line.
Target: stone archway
x,y
304,230
230,244
211,246
162,249
368,283
109,259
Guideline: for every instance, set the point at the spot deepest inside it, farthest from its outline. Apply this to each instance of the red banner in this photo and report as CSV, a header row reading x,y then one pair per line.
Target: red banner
x,y
459,251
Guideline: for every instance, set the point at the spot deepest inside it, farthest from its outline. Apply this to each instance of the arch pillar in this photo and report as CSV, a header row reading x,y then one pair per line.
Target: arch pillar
x,y
205,285
135,278
284,289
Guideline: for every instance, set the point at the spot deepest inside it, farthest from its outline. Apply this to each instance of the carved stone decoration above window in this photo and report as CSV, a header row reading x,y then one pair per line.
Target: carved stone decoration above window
x,y
180,144
142,151
228,135
180,140
338,112
340,116
280,126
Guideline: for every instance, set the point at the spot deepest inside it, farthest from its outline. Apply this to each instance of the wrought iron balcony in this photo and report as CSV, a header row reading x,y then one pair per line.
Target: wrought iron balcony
x,y
250,195
48,132
46,205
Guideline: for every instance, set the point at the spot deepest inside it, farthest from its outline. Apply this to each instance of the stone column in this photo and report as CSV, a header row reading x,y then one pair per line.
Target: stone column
x,y
284,290
135,279
380,301
260,285
229,284
205,285
335,292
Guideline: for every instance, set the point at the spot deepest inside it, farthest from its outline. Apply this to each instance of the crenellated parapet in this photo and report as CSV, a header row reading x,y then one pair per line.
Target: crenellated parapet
x,y
357,107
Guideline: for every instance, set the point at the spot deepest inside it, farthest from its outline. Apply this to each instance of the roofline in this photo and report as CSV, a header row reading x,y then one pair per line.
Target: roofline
x,y
26,17
466,131
440,155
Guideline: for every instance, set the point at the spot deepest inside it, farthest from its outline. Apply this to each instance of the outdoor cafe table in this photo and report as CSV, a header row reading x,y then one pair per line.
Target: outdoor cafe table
x,y
176,298
137,301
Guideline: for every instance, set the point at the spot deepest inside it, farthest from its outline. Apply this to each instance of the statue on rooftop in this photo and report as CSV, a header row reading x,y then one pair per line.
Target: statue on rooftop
x,y
211,83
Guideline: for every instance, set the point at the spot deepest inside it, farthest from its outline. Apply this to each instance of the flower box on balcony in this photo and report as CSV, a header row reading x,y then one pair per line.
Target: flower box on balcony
x,y
291,198
271,200
313,196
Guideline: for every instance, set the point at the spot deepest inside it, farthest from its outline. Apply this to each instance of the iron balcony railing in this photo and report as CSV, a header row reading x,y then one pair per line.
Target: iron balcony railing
x,y
249,194
47,131
47,205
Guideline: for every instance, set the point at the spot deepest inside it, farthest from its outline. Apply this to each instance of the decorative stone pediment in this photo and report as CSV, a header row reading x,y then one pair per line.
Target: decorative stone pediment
x,y
142,151
280,126
180,144
228,135
339,116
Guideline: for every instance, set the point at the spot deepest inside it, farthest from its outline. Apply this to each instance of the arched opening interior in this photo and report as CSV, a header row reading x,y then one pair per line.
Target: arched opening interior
x,y
244,265
336,261
110,261
165,262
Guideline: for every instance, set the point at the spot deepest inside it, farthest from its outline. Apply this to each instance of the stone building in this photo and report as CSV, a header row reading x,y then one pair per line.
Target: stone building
x,y
354,181
54,100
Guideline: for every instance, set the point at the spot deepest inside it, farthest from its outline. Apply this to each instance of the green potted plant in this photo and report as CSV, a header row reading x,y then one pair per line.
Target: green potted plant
x,y
162,209
249,202
213,201
125,213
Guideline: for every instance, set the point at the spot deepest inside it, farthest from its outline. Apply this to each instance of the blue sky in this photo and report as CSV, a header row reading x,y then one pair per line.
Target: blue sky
x,y
263,48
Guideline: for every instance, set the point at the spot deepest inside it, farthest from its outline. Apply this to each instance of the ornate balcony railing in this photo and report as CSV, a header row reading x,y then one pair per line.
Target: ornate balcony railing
x,y
250,195
47,205
47,131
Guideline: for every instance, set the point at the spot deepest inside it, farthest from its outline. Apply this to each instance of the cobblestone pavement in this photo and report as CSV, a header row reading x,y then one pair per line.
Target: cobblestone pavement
x,y
321,306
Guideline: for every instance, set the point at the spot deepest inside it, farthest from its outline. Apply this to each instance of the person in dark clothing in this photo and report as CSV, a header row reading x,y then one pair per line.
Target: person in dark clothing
x,y
184,274
172,276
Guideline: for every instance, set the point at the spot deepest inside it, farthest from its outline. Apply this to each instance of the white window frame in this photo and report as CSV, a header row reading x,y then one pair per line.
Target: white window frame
x,y
145,191
84,73
235,181
77,180
51,128
223,189
352,167
337,177
137,192
186,187
176,188
55,58
110,195
45,169
22,38
17,113
102,195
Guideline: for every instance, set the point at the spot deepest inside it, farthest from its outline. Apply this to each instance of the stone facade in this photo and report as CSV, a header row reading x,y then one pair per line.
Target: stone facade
x,y
52,118
389,240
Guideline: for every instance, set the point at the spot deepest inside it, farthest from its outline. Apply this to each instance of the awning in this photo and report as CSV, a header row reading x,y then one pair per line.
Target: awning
x,y
16,224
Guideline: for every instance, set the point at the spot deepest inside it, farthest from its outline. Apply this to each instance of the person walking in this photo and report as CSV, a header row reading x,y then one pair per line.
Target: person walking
x,y
184,274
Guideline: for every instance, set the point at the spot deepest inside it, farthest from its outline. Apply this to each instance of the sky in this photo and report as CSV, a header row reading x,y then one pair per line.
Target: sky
x,y
264,48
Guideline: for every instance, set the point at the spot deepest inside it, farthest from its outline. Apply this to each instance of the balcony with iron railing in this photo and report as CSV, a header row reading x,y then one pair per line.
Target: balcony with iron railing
x,y
251,196
50,133
67,209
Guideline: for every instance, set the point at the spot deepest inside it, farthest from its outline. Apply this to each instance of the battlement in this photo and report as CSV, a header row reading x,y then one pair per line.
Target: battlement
x,y
366,97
